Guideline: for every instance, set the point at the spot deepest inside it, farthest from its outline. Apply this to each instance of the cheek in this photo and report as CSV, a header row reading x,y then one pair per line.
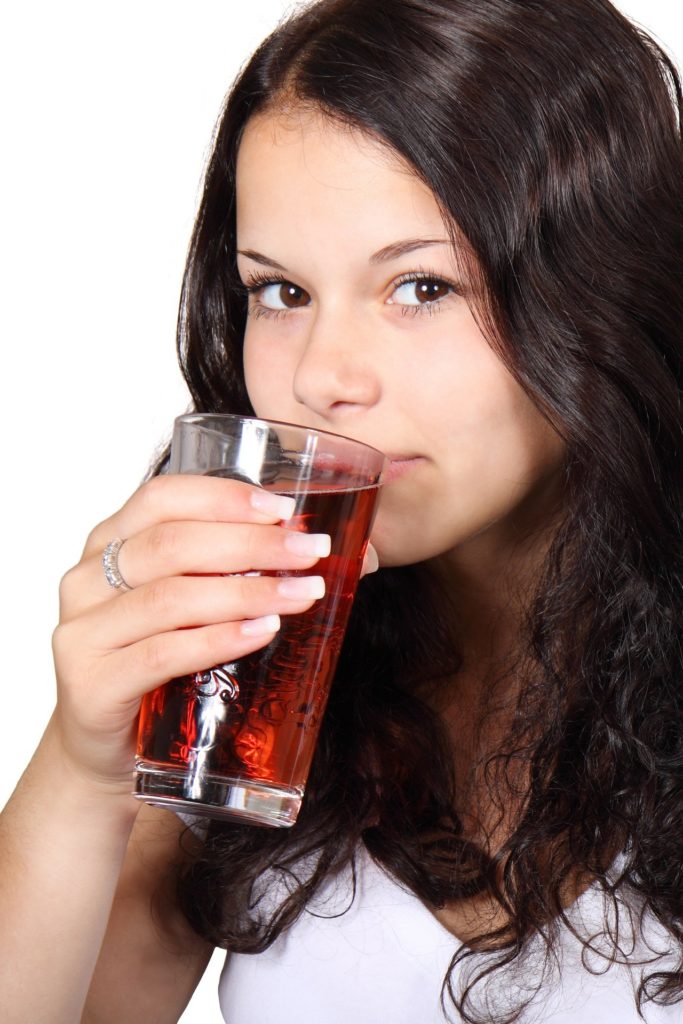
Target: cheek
x,y
266,374
460,390
253,377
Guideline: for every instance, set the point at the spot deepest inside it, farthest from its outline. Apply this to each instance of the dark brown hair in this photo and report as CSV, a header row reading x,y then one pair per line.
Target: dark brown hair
x,y
548,130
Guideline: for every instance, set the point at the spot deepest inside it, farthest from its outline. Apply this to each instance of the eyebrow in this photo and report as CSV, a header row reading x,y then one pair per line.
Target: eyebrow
x,y
389,252
396,249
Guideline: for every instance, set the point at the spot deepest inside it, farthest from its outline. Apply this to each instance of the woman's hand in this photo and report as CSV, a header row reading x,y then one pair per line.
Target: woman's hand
x,y
184,536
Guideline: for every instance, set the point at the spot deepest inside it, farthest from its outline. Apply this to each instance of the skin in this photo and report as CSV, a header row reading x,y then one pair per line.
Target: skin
x,y
84,940
344,346
351,332
476,478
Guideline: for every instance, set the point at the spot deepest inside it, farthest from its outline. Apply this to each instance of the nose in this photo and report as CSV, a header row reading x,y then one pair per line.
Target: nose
x,y
335,375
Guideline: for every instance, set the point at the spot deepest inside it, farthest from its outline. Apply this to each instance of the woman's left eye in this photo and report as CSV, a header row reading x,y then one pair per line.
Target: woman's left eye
x,y
281,294
420,291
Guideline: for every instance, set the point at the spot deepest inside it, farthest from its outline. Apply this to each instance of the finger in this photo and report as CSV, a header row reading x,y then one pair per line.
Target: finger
x,y
185,602
176,549
181,496
143,666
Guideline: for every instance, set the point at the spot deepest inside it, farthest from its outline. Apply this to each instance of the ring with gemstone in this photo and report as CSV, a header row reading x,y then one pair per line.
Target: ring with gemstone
x,y
110,564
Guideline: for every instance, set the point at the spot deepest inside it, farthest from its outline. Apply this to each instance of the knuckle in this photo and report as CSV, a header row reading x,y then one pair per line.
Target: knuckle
x,y
163,541
151,495
160,597
239,492
257,595
241,588
152,491
67,586
212,642
93,537
220,493
62,643
58,641
95,540
252,547
154,655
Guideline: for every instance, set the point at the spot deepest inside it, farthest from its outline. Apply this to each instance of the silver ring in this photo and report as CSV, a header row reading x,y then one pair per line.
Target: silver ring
x,y
110,564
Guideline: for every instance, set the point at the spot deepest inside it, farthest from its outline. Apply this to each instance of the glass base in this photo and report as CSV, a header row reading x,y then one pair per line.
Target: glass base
x,y
217,797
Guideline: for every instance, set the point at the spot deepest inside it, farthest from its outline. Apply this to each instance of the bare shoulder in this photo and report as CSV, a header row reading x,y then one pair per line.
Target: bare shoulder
x,y
151,959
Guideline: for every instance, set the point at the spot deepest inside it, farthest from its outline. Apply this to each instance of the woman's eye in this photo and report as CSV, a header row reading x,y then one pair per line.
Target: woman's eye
x,y
282,295
421,291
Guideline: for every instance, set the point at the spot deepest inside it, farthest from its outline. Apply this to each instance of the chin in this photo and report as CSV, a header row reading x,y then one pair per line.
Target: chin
x,y
392,555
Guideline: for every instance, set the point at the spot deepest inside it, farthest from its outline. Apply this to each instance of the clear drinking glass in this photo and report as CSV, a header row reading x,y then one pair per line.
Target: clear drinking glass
x,y
237,740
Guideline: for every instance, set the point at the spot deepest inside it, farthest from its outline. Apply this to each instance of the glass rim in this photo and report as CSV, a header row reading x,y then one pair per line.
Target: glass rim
x,y
197,417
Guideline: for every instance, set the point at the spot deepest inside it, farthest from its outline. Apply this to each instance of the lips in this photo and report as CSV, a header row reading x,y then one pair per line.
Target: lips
x,y
399,465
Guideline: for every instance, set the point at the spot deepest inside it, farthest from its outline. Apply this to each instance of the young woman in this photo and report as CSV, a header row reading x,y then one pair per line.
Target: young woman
x,y
451,230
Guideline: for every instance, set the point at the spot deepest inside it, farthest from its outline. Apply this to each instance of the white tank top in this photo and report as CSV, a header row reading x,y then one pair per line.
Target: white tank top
x,y
384,961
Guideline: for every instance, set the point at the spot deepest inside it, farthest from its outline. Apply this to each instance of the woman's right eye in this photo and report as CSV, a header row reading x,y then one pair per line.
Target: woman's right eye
x,y
276,296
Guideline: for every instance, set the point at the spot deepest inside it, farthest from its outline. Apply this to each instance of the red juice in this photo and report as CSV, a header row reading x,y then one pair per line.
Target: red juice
x,y
255,721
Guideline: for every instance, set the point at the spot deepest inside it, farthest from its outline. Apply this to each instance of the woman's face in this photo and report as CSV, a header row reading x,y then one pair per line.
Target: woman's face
x,y
359,323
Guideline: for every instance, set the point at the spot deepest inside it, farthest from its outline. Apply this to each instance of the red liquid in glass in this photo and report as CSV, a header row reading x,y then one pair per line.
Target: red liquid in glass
x,y
257,718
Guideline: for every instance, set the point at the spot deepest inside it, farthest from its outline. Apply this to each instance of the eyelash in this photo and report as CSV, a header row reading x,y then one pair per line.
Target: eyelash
x,y
428,308
257,281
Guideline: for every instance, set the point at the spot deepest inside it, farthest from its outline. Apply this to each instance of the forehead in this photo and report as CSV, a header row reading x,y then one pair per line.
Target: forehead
x,y
297,161
306,133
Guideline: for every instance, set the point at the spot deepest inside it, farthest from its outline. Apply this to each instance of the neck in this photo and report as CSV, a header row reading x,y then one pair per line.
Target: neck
x,y
489,591
489,580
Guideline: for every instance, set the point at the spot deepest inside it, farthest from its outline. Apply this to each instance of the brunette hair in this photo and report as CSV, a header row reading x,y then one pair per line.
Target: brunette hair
x,y
549,133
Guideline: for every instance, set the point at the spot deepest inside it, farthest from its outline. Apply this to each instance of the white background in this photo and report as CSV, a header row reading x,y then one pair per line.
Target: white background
x,y
106,115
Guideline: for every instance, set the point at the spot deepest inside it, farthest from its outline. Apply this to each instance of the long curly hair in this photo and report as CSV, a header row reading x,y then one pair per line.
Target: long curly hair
x,y
550,135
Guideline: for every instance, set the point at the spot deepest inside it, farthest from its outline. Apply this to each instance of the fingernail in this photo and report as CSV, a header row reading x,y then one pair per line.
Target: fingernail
x,y
318,544
371,561
273,504
301,587
260,627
